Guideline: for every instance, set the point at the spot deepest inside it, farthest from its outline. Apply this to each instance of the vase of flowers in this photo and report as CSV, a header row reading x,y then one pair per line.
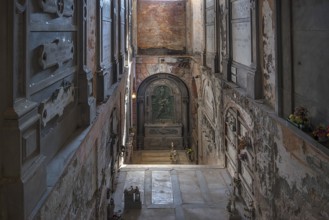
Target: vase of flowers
x,y
300,118
189,153
321,133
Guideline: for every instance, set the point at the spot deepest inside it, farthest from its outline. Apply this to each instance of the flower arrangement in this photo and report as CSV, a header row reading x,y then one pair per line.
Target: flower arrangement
x,y
300,117
189,150
243,143
321,133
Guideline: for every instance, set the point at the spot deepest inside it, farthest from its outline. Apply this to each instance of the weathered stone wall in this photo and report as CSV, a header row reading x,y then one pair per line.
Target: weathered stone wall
x,y
289,173
288,168
161,27
209,120
84,187
197,27
281,171
268,61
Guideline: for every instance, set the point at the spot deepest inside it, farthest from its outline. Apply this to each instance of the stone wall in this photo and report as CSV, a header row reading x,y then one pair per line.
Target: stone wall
x,y
58,158
289,168
84,188
279,171
161,27
284,170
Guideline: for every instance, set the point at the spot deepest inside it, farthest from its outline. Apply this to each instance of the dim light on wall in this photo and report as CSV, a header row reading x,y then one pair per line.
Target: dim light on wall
x,y
133,95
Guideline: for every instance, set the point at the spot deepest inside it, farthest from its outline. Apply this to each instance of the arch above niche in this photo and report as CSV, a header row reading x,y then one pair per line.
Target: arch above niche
x,y
162,112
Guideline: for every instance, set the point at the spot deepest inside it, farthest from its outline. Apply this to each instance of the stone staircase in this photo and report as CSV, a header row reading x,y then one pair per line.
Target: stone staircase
x,y
159,157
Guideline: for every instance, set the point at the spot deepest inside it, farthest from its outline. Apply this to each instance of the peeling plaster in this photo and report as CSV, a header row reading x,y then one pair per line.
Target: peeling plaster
x,y
269,53
288,167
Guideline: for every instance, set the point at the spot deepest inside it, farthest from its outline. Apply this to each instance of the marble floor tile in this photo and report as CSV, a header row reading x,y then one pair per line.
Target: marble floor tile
x,y
175,192
161,188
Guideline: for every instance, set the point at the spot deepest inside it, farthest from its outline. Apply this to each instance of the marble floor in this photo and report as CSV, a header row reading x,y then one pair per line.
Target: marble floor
x,y
174,192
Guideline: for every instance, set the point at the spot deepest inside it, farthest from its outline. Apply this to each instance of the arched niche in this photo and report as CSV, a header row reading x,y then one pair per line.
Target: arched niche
x,y
162,112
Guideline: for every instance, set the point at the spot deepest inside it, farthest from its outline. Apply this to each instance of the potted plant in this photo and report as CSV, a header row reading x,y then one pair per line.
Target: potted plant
x,y
300,118
189,152
321,133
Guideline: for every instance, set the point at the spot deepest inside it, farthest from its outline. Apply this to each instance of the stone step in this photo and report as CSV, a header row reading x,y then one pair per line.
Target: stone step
x,y
158,157
163,159
158,153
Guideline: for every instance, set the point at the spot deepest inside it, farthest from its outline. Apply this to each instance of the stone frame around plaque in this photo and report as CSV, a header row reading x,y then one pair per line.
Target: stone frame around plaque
x,y
241,66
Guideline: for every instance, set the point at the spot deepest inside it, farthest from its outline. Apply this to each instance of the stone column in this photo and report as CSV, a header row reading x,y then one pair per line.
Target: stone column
x,y
140,122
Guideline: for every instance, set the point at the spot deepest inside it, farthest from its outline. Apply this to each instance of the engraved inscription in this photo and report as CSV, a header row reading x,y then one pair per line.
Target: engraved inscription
x,y
241,40
56,53
59,7
241,9
55,104
163,131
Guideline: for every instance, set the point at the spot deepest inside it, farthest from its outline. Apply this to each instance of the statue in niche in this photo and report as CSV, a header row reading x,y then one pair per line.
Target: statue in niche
x,y
162,103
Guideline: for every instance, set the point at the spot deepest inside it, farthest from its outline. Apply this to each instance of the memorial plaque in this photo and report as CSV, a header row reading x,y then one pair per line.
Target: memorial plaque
x,y
106,32
106,10
241,9
210,16
241,43
209,3
211,38
106,49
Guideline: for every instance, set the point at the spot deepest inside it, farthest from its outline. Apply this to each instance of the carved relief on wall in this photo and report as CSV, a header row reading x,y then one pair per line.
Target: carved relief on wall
x,y
162,103
55,104
55,53
58,7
